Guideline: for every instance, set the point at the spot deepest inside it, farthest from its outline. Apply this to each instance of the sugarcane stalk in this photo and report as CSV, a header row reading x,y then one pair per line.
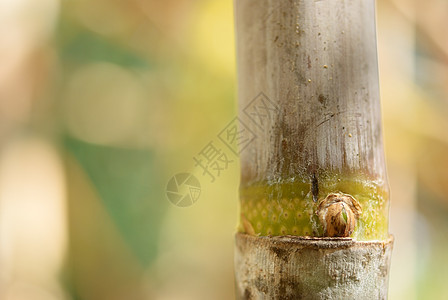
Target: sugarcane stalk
x,y
314,193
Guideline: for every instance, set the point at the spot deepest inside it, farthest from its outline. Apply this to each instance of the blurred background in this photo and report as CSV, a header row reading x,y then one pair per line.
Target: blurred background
x,y
102,102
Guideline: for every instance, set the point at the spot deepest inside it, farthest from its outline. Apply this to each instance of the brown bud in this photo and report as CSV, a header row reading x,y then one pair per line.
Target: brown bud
x,y
338,214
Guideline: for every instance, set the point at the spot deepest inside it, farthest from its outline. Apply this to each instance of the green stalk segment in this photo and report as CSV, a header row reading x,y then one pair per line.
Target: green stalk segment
x,y
288,208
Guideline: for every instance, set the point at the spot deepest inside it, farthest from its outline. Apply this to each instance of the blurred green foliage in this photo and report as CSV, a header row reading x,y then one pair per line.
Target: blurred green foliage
x,y
129,184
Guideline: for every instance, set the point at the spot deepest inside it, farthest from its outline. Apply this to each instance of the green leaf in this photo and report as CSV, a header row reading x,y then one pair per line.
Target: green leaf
x,y
127,180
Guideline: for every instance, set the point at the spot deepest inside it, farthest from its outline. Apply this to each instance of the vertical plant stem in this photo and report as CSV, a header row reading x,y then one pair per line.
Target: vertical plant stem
x,y
308,89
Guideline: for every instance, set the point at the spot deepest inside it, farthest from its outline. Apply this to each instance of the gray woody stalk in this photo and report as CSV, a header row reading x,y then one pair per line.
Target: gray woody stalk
x,y
314,193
